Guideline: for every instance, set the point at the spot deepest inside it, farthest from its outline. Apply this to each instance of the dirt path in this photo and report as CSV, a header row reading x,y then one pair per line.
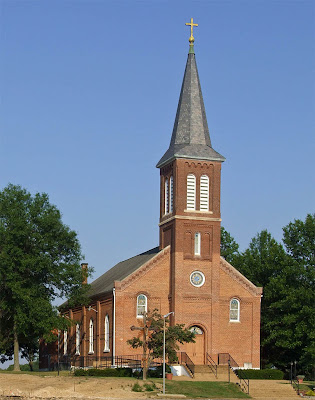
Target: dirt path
x,y
67,387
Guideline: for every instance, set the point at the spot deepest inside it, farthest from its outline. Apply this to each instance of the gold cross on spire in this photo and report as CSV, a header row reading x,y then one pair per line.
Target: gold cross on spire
x,y
191,23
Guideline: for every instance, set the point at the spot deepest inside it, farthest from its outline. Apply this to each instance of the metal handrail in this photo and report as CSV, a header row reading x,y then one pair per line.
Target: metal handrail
x,y
213,366
297,385
244,381
183,358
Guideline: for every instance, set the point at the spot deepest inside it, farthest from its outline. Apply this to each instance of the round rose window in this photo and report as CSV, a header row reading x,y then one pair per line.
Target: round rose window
x,y
197,278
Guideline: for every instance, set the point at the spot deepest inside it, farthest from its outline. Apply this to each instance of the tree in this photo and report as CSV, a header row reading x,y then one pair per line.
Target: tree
x,y
39,261
299,240
150,338
229,247
287,317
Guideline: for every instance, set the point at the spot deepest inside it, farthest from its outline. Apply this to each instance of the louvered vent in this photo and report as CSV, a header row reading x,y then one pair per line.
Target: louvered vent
x,y
191,192
171,194
204,193
166,197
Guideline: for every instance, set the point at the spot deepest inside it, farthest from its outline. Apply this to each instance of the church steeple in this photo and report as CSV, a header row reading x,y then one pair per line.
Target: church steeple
x,y
190,137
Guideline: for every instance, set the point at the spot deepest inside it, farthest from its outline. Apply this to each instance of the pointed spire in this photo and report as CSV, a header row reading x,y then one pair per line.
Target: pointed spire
x,y
190,137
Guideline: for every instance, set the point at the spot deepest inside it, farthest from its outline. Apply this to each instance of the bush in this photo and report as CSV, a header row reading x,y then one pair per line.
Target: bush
x,y
136,387
158,371
310,393
149,387
260,373
117,372
80,372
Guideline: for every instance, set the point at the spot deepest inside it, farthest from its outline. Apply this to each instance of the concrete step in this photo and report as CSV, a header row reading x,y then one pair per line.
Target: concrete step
x,y
270,389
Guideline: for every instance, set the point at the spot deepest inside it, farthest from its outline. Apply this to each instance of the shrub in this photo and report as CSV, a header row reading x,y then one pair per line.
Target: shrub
x,y
80,372
310,393
136,387
158,371
260,373
118,372
149,387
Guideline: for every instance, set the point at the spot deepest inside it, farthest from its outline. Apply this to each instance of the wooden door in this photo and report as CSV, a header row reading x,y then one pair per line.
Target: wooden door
x,y
196,351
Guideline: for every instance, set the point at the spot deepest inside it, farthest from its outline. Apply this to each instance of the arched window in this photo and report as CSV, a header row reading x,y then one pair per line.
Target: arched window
x,y
77,339
166,203
204,193
106,334
197,244
234,310
171,194
91,337
141,305
191,192
65,342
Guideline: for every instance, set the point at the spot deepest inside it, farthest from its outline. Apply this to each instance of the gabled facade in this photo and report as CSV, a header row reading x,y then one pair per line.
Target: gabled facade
x,y
185,274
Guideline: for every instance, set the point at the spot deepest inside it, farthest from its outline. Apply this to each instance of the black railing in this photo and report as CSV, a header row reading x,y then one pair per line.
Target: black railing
x,y
183,358
213,366
296,385
91,361
227,359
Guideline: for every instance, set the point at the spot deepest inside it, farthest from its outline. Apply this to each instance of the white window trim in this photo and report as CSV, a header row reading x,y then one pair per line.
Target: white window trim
x,y
145,307
91,337
197,244
238,310
65,342
77,340
106,335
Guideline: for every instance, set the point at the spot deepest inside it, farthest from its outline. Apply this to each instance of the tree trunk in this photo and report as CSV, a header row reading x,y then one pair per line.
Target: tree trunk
x,y
16,350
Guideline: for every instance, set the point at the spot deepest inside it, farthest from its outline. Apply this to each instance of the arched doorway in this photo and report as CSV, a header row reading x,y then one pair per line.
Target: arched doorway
x,y
196,351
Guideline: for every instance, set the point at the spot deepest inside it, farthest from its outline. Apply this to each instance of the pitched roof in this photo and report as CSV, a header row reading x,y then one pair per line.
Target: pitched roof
x,y
120,271
190,137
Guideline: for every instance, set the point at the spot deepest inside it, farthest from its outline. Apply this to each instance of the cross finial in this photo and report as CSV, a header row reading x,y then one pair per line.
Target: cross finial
x,y
191,23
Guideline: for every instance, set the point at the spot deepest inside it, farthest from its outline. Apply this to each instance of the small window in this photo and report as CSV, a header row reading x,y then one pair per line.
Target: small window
x,y
234,310
141,305
204,193
77,339
106,346
91,337
65,342
197,244
191,192
166,203
171,195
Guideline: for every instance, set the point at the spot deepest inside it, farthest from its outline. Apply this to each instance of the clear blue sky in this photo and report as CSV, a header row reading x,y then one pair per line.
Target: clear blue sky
x,y
89,91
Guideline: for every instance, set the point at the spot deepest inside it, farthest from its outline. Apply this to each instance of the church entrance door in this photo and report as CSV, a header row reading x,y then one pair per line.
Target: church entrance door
x,y
196,351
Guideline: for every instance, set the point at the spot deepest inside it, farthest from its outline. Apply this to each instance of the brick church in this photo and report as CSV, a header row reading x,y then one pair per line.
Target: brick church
x,y
185,273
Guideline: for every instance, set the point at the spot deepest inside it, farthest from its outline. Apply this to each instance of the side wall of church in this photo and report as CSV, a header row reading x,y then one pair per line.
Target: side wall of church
x,y
239,338
152,280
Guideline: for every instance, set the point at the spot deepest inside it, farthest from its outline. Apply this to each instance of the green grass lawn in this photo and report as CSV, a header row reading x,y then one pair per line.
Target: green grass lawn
x,y
307,385
205,389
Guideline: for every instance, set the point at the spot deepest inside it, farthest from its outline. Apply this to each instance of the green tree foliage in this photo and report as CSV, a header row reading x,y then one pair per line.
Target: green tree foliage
x,y
150,338
287,318
229,247
39,261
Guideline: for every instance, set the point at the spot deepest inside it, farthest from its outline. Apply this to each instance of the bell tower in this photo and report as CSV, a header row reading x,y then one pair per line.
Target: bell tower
x,y
190,218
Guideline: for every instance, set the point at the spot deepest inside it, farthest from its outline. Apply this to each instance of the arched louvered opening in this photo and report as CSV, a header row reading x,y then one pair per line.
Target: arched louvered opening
x,y
171,195
191,192
204,193
166,193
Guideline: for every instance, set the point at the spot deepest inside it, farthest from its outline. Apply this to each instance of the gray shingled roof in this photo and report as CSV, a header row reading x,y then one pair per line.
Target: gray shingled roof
x,y
190,137
105,282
